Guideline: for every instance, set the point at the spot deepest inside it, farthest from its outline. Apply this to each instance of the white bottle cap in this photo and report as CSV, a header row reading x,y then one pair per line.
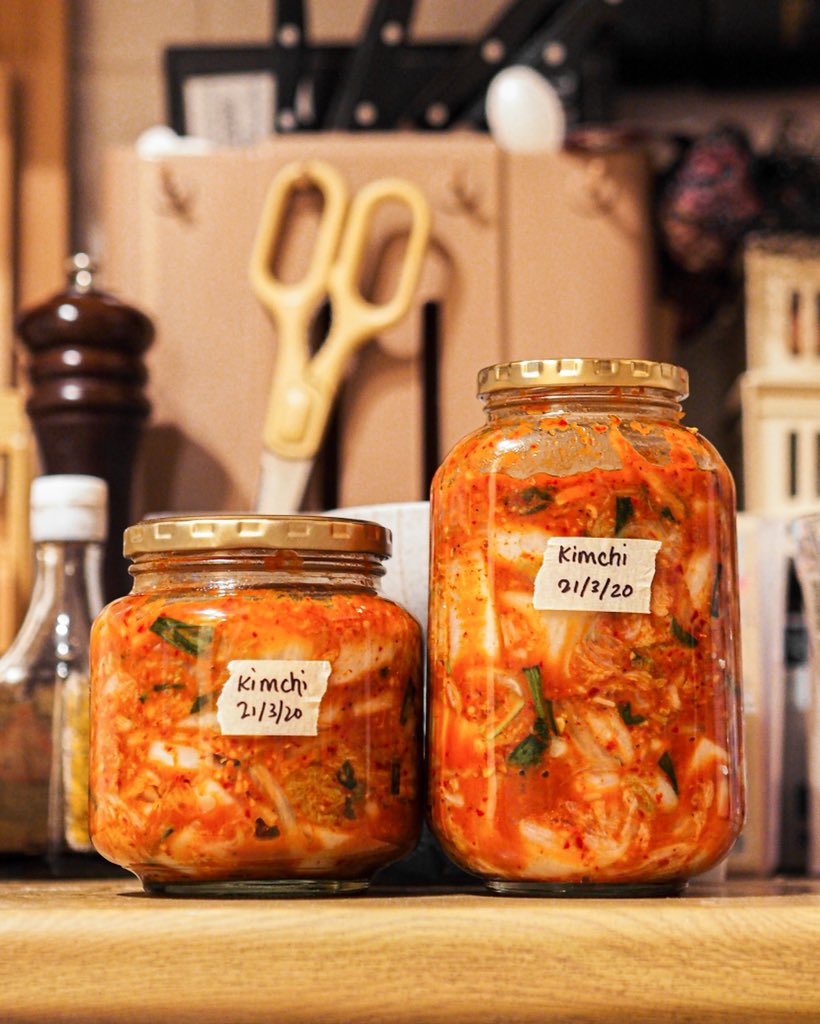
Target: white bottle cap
x,y
69,507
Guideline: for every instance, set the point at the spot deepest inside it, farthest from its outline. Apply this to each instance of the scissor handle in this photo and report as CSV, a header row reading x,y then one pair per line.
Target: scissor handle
x,y
293,304
304,388
355,318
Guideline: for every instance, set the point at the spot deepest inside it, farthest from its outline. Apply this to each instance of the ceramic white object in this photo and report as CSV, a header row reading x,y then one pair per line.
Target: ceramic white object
x,y
524,112
159,140
406,577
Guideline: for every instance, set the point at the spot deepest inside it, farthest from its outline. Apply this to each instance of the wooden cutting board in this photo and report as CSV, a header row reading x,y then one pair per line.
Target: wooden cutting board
x,y
100,951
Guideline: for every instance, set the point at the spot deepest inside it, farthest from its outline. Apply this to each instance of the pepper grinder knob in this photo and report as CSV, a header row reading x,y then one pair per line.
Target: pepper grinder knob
x,y
80,270
83,363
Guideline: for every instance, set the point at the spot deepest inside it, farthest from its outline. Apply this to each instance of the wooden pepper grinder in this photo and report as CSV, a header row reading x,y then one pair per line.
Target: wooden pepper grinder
x,y
86,398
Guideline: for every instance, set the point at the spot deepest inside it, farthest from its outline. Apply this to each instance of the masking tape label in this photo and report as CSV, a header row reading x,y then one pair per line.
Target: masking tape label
x,y
272,698
606,574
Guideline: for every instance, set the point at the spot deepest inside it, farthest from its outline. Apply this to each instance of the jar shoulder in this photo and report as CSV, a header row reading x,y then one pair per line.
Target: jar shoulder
x,y
158,607
558,446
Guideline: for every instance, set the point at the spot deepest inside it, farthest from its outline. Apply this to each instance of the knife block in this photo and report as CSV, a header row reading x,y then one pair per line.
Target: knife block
x,y
530,256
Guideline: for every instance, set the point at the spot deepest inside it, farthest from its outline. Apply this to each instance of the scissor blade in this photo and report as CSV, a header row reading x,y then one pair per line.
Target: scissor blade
x,y
282,483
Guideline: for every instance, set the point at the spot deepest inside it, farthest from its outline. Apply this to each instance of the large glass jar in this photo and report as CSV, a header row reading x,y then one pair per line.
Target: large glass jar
x,y
256,707
585,715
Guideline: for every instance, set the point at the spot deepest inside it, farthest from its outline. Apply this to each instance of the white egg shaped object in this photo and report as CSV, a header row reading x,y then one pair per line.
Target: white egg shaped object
x,y
524,112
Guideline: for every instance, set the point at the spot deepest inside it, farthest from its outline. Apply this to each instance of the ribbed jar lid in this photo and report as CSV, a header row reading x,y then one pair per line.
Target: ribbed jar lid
x,y
232,532
583,372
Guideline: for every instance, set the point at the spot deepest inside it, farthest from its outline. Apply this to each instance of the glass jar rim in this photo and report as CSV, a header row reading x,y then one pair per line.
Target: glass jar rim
x,y
583,372
214,532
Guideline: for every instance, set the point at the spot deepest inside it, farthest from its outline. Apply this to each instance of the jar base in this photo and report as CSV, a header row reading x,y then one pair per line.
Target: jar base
x,y
587,890
257,888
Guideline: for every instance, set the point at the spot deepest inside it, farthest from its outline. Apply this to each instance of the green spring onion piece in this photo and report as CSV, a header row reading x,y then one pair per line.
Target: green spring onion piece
x,y
714,605
262,830
346,775
407,702
202,701
185,636
625,710
528,752
530,500
681,635
624,511
668,768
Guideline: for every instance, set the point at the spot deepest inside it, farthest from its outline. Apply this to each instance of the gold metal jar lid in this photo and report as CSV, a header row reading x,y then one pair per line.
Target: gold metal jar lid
x,y
603,373
232,532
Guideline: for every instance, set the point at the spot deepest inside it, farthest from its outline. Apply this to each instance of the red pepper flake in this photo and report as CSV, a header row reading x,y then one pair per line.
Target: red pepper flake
x,y
479,813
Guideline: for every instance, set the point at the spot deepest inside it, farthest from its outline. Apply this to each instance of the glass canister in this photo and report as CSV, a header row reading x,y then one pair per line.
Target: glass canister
x,y
806,534
255,709
584,667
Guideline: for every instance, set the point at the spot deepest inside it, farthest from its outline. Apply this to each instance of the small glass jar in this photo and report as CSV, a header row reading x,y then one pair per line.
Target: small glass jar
x,y
584,668
255,709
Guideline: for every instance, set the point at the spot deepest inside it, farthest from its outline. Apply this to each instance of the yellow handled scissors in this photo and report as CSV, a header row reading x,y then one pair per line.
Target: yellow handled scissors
x,y
304,386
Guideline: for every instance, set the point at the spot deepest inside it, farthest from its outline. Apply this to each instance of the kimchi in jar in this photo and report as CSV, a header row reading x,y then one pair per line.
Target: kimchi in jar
x,y
255,709
585,714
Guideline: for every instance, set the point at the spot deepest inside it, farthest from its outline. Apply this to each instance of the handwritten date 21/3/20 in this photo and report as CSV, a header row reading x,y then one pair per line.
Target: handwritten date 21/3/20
x,y
599,588
275,710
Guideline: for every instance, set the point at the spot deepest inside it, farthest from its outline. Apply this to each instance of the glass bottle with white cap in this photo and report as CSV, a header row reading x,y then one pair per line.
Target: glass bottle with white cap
x,y
44,674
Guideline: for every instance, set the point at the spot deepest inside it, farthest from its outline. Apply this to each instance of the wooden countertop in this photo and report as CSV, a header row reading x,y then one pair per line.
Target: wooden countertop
x,y
101,950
